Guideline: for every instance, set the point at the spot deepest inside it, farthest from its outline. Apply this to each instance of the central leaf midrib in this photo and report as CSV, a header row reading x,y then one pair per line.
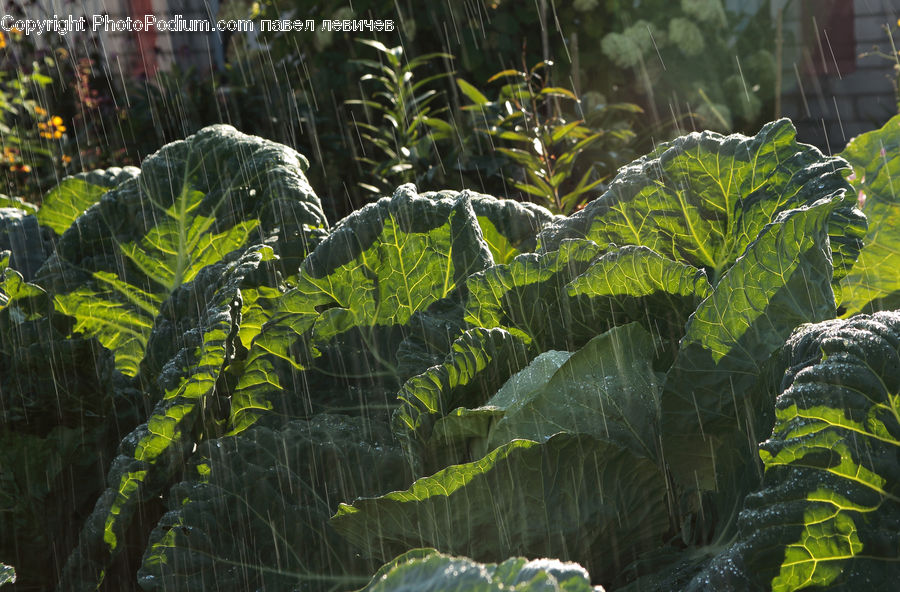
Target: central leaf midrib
x,y
180,221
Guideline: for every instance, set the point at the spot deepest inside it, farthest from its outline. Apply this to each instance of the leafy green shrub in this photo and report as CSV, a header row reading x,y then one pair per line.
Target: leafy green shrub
x,y
57,113
402,124
453,371
31,135
545,142
709,62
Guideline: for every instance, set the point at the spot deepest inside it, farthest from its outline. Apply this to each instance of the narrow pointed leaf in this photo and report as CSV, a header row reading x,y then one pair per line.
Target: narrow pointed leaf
x,y
471,92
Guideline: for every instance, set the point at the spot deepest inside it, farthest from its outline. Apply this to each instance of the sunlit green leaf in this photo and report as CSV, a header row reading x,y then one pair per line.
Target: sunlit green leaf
x,y
828,512
354,295
7,574
471,92
194,202
704,197
75,194
874,281
190,408
713,402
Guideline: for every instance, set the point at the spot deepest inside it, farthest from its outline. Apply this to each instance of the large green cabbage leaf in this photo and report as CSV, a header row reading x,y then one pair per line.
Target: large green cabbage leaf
x,y
194,202
703,198
332,343
715,404
585,430
874,282
252,511
192,407
520,500
828,513
607,389
427,570
518,295
479,362
509,227
587,293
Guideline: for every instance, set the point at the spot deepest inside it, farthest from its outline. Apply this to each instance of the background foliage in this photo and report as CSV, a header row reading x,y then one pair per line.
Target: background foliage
x,y
300,89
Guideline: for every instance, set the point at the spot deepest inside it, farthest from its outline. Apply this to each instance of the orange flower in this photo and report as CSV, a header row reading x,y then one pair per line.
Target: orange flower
x,y
66,159
38,110
2,40
52,129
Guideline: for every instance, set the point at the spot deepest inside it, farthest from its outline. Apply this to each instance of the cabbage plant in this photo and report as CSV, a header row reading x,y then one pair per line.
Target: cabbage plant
x,y
206,386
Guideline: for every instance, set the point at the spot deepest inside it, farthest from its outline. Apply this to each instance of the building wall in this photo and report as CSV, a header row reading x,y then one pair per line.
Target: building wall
x,y
832,100
129,54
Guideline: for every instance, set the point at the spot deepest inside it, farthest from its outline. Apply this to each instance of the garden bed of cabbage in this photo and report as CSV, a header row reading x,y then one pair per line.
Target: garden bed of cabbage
x,y
687,385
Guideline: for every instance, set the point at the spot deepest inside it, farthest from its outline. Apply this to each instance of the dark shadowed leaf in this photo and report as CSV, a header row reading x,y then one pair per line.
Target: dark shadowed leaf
x,y
519,499
252,511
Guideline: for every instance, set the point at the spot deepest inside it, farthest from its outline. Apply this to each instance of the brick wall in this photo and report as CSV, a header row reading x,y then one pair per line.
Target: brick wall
x,y
832,101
